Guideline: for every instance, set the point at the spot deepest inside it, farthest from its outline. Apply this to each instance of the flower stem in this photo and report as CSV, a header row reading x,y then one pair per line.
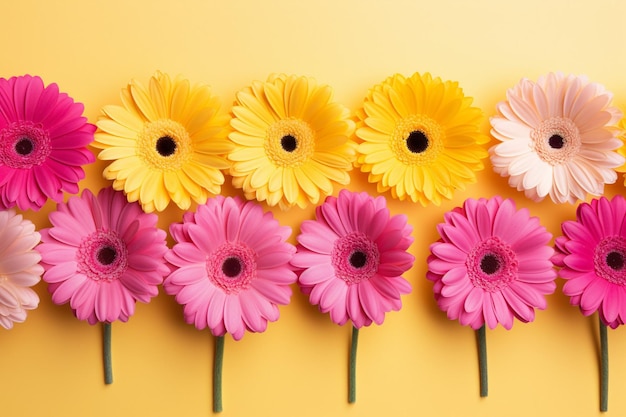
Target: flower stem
x,y
106,353
352,366
481,339
604,368
217,374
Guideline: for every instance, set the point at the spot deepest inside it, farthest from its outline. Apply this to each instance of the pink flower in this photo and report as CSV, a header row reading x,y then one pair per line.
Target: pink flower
x,y
592,257
491,264
43,143
19,268
231,265
352,258
102,255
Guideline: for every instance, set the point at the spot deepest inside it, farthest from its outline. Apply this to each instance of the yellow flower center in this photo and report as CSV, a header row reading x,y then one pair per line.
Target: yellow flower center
x,y
164,144
289,142
417,140
556,140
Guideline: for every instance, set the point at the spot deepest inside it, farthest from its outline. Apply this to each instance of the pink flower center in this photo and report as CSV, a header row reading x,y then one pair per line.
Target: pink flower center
x,y
610,259
24,145
557,140
232,267
355,258
491,265
102,256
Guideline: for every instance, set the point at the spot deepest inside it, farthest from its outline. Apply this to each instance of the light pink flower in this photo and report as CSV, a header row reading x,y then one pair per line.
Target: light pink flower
x,y
102,255
43,143
231,265
592,257
559,138
491,264
352,258
19,268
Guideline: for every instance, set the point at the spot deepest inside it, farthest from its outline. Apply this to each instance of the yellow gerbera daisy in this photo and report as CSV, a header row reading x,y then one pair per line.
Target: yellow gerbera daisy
x,y
622,150
291,141
167,142
421,138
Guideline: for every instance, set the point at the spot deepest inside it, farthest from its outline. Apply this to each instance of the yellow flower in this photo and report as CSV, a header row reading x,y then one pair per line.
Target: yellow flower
x,y
622,150
420,137
292,143
167,142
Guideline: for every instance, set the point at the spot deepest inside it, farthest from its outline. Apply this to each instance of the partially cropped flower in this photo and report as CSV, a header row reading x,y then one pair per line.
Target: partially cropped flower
x,y
352,258
292,142
167,143
231,267
592,257
102,254
43,143
19,268
492,264
559,138
421,138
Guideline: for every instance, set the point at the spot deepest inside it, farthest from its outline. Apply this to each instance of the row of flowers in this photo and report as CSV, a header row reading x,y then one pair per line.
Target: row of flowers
x,y
286,142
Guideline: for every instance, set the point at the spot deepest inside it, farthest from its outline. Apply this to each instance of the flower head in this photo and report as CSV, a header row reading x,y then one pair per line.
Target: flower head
x,y
43,143
231,267
102,254
491,264
291,141
19,268
558,138
167,142
352,258
421,138
592,257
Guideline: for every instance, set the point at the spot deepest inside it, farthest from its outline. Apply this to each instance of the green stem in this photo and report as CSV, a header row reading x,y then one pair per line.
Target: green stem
x,y
481,340
604,368
106,353
352,366
217,374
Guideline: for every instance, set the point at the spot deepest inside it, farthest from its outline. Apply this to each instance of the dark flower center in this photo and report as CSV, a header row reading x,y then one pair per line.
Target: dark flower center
x,y
24,146
489,264
289,143
231,267
106,255
166,146
358,259
556,141
615,260
417,141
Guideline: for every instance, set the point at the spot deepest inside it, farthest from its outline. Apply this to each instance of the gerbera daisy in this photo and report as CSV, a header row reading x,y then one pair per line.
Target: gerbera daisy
x,y
421,138
352,258
291,141
558,138
19,268
167,142
43,143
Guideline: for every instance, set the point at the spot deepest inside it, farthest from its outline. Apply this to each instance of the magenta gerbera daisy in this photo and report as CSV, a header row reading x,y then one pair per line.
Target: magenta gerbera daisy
x,y
352,258
43,143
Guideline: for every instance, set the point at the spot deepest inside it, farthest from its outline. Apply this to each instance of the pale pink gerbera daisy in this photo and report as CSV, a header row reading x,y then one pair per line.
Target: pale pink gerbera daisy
x,y
559,138
43,143
19,268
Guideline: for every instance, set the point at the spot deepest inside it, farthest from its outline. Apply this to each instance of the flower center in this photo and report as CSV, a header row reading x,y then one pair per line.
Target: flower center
x,y
232,267
289,142
610,258
164,144
24,145
556,140
102,256
417,140
491,265
355,258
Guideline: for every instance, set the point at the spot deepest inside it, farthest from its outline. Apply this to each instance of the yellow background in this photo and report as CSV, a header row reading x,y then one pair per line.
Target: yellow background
x,y
416,363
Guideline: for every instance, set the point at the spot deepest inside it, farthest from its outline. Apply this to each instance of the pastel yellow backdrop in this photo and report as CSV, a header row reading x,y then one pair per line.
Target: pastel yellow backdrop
x,y
416,363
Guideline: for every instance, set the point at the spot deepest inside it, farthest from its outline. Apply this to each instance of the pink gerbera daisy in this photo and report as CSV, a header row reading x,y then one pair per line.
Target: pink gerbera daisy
x,y
352,259
559,138
43,143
